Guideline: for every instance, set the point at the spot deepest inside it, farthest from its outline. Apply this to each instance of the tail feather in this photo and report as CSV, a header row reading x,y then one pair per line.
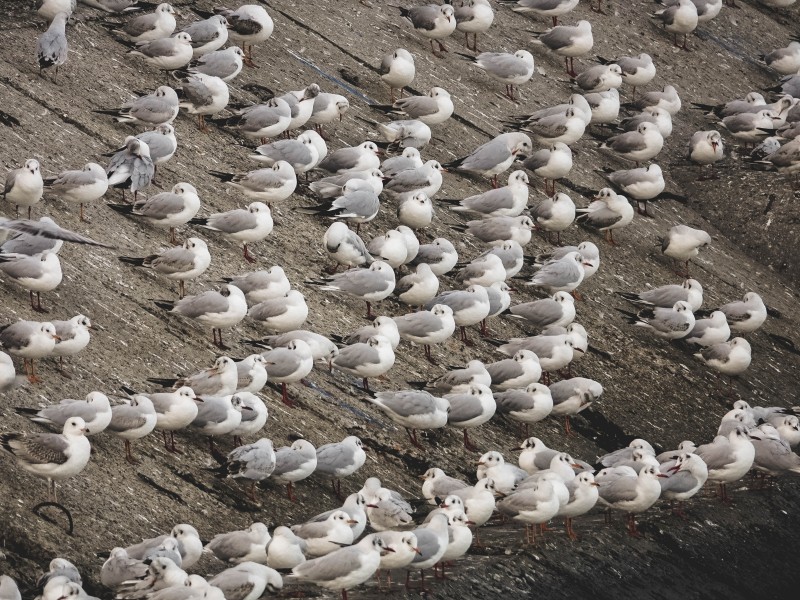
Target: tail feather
x,y
25,411
133,260
199,221
165,304
124,209
222,176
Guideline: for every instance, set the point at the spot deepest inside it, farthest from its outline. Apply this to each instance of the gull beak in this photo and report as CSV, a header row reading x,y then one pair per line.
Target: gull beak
x,y
389,549
445,170
421,477
352,522
579,350
714,146
417,550
443,505
595,484
576,466
517,449
471,523
372,506
662,475
480,463
198,399
674,469
246,408
57,338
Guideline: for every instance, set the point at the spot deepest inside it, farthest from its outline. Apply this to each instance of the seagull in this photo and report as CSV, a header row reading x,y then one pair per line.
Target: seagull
x,y
266,185
260,121
217,309
181,262
668,99
470,407
132,420
510,69
356,158
282,314
38,273
289,364
746,315
685,478
433,108
600,78
301,153
81,186
294,463
556,311
562,275
240,546
416,211
785,61
249,24
372,358
551,164
248,226
53,456
432,21
167,54
568,41
207,35
680,18
203,95
259,286
51,47
383,326
728,358
131,167
427,327
636,70
710,331
24,187
340,459
175,410
167,209
371,284
496,230
640,145
670,323
630,492
413,409
255,462
642,183
554,214
508,201
73,337
397,70
344,568
440,255
345,246
566,127
651,114
515,372
728,459
327,109
48,9
607,212
683,243
525,405
144,28
571,396
225,64
666,296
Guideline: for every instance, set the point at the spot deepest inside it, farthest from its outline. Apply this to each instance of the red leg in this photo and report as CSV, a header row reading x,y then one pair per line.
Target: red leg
x,y
285,396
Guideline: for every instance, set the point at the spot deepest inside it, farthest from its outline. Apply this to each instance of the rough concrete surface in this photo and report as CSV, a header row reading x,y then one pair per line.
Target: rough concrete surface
x,y
653,389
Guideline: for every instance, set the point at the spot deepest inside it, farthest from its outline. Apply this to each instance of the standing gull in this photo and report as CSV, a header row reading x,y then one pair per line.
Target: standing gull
x,y
30,340
397,70
371,284
156,108
38,273
246,225
289,364
167,209
294,463
51,48
24,187
474,16
568,41
340,459
510,69
81,186
413,409
132,420
432,21
181,263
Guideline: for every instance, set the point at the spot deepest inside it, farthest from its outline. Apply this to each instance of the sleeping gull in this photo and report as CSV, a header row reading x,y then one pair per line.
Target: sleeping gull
x,y
253,461
671,323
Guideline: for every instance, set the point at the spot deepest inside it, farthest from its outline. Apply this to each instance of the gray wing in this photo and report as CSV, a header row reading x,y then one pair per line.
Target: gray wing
x,y
233,221
630,141
65,410
267,309
558,273
417,106
139,25
174,260
716,455
360,281
424,17
543,210
361,203
292,151
418,324
736,311
163,47
205,303
718,352
210,412
665,296
152,109
332,457
463,408
23,268
456,299
331,566
352,357
288,460
39,449
504,370
232,544
343,158
48,230
407,403
603,217
558,37
69,180
539,311
502,65
16,336
126,417
196,92
513,400
666,319
538,159
202,32
679,482
487,156
160,206
618,490
260,179
280,362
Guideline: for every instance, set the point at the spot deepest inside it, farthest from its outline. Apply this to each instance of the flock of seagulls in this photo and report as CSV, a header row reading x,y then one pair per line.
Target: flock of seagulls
x,y
439,291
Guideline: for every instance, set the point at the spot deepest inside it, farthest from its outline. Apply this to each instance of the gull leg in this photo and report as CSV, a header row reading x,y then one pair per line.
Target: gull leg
x,y
247,255
567,428
285,396
128,455
467,444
